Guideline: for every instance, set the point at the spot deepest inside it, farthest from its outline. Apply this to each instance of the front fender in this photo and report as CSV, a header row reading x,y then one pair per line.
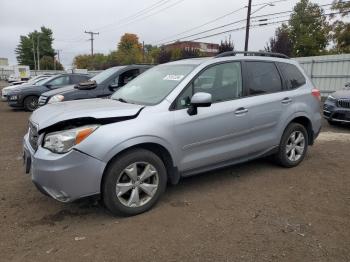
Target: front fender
x,y
137,141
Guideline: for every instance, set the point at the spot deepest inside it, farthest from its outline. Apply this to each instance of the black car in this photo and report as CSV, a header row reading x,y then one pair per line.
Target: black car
x,y
27,96
102,85
336,108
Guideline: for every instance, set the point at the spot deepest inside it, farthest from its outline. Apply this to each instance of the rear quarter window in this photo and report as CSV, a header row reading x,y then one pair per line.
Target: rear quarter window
x,y
292,75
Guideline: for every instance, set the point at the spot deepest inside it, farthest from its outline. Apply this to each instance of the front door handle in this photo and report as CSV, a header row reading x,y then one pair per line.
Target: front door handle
x,y
287,100
241,111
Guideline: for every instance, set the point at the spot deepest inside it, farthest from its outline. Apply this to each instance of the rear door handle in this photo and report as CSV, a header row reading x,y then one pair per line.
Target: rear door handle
x,y
287,100
241,111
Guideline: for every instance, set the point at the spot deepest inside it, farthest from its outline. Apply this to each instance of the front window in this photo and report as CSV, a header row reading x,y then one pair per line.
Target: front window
x,y
154,85
104,75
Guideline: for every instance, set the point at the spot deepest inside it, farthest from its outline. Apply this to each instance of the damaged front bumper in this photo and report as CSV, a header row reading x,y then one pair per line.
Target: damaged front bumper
x,y
64,177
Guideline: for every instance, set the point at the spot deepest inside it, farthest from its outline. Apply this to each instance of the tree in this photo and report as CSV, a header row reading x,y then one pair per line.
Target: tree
x,y
129,50
309,30
95,62
341,29
190,53
25,52
49,63
226,46
164,55
281,42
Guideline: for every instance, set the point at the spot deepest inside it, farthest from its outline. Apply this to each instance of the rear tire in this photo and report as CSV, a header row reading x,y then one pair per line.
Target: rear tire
x,y
293,146
30,103
134,182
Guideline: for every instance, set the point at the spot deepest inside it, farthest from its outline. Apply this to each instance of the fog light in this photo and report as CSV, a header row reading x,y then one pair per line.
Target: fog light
x,y
12,98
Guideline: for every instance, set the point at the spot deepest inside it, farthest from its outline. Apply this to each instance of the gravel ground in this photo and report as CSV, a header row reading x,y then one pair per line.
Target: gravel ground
x,y
251,212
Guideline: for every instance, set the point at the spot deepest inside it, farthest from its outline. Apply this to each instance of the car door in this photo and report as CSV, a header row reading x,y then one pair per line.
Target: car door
x,y
266,101
216,133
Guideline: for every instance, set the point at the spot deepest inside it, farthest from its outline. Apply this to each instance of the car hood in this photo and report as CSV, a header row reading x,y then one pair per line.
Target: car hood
x,y
59,91
341,94
52,114
22,87
8,88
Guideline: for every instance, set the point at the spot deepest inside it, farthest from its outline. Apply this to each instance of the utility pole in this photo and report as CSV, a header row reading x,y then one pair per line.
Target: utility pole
x,y
34,54
247,26
58,55
38,52
92,40
143,51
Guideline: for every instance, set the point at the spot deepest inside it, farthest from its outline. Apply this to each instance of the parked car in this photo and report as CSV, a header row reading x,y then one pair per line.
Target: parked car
x,y
336,108
12,78
27,96
168,123
33,81
101,85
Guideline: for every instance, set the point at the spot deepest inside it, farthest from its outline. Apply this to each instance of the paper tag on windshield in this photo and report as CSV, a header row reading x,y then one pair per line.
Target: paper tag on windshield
x,y
173,77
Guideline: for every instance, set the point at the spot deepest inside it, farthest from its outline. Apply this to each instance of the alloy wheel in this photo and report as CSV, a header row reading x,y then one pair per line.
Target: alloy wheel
x,y
295,146
137,184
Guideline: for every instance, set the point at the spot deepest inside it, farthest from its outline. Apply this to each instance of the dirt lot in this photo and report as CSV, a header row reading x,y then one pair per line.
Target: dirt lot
x,y
252,212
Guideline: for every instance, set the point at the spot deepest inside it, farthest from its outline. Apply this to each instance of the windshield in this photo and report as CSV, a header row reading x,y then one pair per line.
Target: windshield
x,y
99,78
39,81
154,85
45,80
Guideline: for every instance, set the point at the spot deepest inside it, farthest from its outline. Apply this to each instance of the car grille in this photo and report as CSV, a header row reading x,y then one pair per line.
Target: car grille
x,y
344,103
33,136
42,100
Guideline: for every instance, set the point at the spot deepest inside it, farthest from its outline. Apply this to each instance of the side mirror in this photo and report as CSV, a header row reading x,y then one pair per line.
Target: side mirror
x,y
49,86
199,99
113,87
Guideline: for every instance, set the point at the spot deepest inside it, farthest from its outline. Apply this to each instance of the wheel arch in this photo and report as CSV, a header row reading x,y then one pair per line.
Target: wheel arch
x,y
160,150
306,122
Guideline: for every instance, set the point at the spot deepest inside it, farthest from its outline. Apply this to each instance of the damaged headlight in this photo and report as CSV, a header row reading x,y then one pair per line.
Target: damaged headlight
x,y
63,141
55,99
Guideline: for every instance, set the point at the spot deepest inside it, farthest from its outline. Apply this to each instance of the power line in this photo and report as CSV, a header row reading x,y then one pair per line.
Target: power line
x,y
137,14
207,23
145,17
216,19
256,25
233,23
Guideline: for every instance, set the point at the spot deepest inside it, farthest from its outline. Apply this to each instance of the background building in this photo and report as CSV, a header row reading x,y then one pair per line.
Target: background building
x,y
207,49
4,61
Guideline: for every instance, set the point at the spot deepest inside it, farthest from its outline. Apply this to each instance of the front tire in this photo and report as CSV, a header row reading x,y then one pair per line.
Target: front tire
x,y
134,182
30,103
293,146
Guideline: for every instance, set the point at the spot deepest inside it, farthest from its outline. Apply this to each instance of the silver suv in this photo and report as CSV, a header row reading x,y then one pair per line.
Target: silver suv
x,y
175,120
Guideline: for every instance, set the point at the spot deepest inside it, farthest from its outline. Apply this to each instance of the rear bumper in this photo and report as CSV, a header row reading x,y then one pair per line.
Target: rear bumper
x,y
64,177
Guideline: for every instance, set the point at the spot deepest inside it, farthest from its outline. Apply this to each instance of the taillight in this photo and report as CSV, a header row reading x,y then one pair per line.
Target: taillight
x,y
316,93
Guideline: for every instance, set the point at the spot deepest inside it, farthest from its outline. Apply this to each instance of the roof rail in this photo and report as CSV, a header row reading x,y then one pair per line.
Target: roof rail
x,y
252,53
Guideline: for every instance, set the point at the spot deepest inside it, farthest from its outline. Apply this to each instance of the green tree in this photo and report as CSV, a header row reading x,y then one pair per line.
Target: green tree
x,y
340,28
42,40
129,50
49,63
95,62
281,42
309,29
226,46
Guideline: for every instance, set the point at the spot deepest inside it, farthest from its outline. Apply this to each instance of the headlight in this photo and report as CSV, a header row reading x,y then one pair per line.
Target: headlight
x,y
330,98
63,141
56,98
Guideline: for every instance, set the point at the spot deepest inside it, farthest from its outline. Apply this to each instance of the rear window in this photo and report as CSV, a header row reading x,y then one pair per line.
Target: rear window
x,y
294,78
263,78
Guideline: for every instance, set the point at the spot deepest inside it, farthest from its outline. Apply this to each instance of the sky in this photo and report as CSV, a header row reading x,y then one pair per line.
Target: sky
x,y
154,21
